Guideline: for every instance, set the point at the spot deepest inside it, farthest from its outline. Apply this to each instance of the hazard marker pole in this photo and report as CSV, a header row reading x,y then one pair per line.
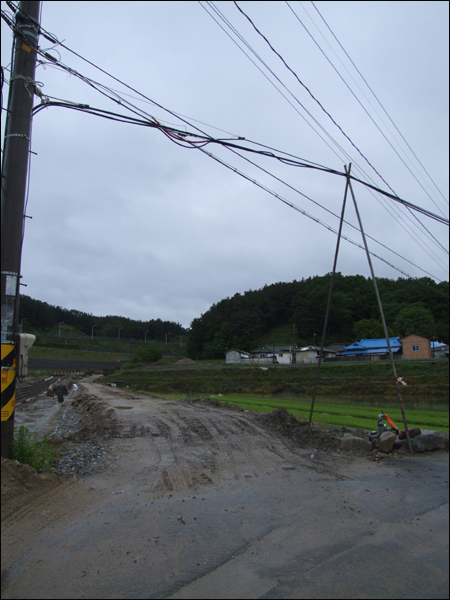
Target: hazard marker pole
x,y
14,182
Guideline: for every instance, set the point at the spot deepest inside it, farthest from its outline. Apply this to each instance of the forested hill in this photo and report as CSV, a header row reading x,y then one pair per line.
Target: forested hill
x,y
247,320
40,316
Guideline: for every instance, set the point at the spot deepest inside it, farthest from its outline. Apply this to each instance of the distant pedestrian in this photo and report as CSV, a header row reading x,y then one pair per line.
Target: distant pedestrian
x,y
60,395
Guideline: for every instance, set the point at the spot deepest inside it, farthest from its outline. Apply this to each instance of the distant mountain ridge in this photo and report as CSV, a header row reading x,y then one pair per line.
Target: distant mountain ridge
x,y
41,316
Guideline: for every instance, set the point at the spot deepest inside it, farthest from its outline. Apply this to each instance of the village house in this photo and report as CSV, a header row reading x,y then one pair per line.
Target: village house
x,y
376,349
415,346
408,347
276,353
439,350
235,357
282,355
310,354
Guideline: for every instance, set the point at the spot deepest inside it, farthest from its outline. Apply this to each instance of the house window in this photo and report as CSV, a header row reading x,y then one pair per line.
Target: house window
x,y
416,348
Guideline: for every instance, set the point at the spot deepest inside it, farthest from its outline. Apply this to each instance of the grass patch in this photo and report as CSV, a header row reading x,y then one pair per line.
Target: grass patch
x,y
359,385
343,415
348,395
42,373
28,451
332,414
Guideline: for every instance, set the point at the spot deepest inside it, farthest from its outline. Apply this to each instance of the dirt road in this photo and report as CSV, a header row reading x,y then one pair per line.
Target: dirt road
x,y
206,502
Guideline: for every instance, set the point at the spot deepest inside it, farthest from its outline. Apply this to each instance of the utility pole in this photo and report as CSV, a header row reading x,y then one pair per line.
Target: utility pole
x,y
14,180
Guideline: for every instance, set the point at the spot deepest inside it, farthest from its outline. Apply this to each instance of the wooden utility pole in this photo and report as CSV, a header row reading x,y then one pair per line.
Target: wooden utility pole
x,y
14,183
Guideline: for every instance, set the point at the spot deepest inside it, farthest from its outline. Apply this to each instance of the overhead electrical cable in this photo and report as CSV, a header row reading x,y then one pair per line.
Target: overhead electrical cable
x,y
298,209
363,107
312,95
330,212
178,136
207,139
298,79
428,233
221,16
127,105
347,157
344,156
379,102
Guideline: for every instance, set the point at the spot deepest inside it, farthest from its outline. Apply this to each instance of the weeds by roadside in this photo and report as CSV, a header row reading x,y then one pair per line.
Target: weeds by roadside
x,y
28,451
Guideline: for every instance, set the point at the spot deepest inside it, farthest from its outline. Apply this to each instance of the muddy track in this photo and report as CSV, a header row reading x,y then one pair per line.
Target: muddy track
x,y
183,447
208,502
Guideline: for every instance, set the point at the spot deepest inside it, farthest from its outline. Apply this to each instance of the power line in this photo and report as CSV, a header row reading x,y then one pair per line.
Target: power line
x,y
426,230
379,102
240,37
176,135
331,212
94,84
181,138
298,209
312,95
344,156
363,107
183,135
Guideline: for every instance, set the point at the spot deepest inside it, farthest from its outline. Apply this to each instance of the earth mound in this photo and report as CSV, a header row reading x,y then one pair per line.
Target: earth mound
x,y
186,361
284,423
21,485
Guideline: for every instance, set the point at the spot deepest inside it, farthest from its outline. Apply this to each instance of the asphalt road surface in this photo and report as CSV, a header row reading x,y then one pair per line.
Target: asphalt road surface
x,y
203,502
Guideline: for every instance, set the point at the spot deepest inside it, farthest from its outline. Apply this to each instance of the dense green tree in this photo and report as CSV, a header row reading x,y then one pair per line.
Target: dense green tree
x,y
415,319
370,329
41,316
147,353
239,322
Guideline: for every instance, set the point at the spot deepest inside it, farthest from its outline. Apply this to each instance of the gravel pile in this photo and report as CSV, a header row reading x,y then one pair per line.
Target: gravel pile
x,y
83,459
69,424
80,458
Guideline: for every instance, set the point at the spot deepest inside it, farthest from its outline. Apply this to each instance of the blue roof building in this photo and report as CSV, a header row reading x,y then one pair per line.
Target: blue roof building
x,y
372,347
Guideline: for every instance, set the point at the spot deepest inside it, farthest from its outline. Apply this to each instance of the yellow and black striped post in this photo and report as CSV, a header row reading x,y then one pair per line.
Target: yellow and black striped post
x,y
8,396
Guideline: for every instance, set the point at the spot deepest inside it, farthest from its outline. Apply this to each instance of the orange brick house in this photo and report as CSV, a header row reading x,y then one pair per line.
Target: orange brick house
x,y
415,346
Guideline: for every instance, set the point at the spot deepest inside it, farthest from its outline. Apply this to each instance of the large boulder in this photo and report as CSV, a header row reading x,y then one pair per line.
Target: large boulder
x,y
386,441
428,440
412,433
352,443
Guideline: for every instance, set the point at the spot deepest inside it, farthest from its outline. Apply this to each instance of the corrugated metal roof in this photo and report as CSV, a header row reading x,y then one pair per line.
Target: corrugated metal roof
x,y
375,346
437,345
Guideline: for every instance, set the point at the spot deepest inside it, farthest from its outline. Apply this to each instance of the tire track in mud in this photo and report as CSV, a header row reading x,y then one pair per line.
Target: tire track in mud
x,y
182,447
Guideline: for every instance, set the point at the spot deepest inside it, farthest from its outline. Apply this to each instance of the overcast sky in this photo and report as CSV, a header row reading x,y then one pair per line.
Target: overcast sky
x,y
126,222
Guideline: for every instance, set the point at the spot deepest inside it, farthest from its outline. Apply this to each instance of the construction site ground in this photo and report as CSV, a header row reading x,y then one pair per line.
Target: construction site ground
x,y
197,500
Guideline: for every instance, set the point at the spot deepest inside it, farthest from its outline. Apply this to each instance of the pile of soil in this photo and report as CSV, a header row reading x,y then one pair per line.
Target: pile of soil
x,y
98,419
21,485
216,403
186,361
282,418
284,423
